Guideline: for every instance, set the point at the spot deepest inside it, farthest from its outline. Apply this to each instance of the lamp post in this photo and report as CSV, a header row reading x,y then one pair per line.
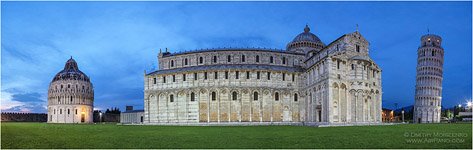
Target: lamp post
x,y
100,114
402,115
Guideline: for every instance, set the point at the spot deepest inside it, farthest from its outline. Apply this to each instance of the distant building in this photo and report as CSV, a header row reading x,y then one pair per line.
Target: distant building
x,y
428,94
70,96
131,116
388,115
309,82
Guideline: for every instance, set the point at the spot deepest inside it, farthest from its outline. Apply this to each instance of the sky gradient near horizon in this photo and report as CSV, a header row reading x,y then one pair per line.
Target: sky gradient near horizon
x,y
114,42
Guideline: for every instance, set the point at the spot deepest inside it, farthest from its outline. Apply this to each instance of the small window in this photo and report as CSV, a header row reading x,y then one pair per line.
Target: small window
x,y
293,77
338,64
352,66
195,76
234,96
214,96
68,86
247,75
71,98
61,87
358,48
164,79
192,97
276,96
269,75
271,59
284,77
237,74
257,58
283,60
433,53
173,78
185,61
60,111
295,97
183,77
205,75
171,98
76,111
215,75
68,111
54,111
215,59
229,58
172,63
154,82
201,60
255,96
226,74
243,58
257,75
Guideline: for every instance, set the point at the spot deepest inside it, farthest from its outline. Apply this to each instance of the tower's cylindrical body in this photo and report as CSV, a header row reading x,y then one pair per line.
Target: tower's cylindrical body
x,y
70,96
428,95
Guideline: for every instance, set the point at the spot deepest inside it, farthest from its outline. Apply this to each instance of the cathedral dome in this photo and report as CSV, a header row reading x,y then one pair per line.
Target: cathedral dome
x,y
306,36
71,72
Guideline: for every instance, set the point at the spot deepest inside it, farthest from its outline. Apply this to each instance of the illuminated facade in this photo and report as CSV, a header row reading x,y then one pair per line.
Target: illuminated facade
x,y
307,83
70,96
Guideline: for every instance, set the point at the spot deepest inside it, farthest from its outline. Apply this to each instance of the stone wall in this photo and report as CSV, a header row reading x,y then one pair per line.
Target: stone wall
x,y
24,117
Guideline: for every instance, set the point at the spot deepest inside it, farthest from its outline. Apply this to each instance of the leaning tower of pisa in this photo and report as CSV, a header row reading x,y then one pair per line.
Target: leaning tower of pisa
x,y
428,95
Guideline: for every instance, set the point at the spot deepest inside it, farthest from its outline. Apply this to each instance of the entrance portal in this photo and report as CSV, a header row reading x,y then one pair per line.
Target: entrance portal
x,y
82,118
286,114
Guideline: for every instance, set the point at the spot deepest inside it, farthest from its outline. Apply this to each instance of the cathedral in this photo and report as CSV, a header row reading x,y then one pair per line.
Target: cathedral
x,y
70,96
308,83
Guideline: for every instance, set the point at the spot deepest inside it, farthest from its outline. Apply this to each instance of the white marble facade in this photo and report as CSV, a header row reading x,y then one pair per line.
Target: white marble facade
x,y
309,82
428,95
70,96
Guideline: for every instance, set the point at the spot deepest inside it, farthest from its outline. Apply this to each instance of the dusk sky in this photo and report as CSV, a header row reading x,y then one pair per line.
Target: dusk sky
x,y
114,42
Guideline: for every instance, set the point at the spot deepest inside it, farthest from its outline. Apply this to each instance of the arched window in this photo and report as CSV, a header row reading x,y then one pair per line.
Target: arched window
x,y
283,60
215,59
276,96
271,59
68,111
71,98
433,53
68,86
192,97
295,97
76,111
54,111
214,96
201,60
257,58
172,63
255,96
242,58
171,98
234,96
185,61
60,111
229,58
352,66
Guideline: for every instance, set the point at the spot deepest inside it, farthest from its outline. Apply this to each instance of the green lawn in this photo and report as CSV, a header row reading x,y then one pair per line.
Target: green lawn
x,y
42,135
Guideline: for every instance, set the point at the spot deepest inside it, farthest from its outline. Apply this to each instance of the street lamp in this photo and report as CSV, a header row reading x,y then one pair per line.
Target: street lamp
x,y
100,114
402,115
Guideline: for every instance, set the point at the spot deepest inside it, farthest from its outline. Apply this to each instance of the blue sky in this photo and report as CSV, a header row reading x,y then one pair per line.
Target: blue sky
x,y
114,42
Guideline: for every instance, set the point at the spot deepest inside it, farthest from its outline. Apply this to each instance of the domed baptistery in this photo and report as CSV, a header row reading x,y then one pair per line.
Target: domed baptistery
x,y
309,83
70,96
